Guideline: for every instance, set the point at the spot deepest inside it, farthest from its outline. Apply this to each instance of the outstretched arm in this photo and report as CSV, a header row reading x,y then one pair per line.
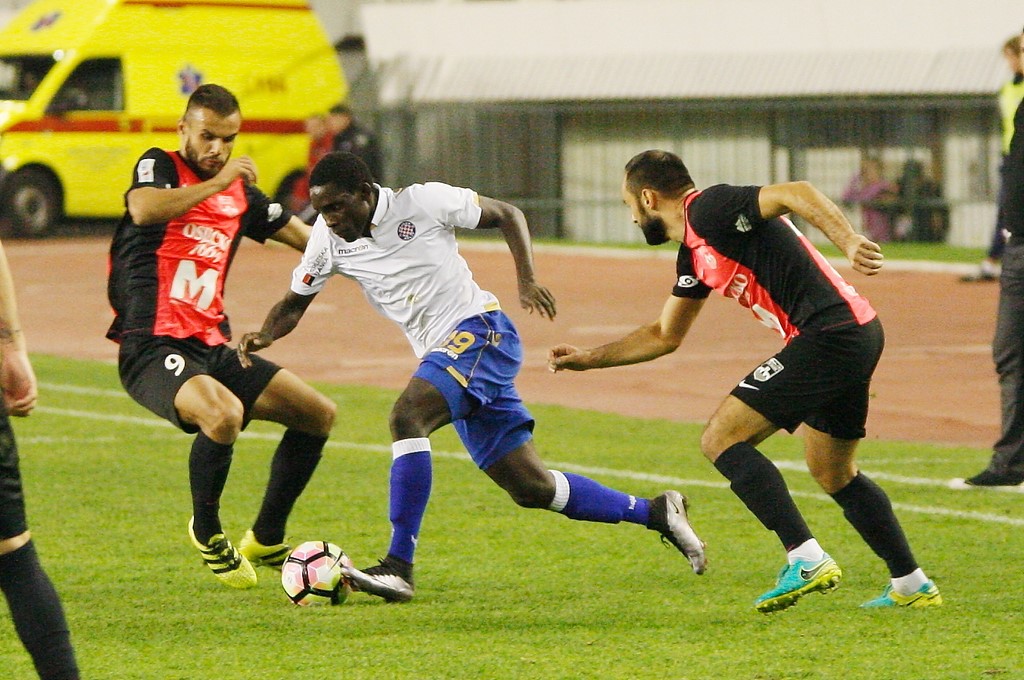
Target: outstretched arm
x,y
17,379
803,199
510,220
648,342
281,320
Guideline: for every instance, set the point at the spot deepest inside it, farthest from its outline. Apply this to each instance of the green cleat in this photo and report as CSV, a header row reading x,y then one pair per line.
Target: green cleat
x,y
260,555
797,580
231,568
926,596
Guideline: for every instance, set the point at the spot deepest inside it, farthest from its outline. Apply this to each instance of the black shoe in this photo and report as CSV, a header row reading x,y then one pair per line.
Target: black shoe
x,y
990,478
668,517
391,579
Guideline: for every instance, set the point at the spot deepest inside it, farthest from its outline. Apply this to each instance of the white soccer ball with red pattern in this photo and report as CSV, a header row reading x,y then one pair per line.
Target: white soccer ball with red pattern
x,y
311,574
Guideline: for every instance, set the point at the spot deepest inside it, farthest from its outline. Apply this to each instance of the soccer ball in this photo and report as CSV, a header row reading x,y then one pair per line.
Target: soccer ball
x,y
311,574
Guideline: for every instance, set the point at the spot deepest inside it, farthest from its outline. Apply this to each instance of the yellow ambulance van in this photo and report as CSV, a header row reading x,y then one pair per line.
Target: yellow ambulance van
x,y
86,86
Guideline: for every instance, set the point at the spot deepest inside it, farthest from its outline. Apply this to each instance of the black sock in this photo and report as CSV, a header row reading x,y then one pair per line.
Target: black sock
x,y
208,466
37,613
759,484
868,509
294,462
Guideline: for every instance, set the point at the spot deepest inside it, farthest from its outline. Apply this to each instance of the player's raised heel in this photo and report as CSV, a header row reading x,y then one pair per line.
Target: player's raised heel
x,y
231,568
668,517
260,555
925,596
391,579
798,579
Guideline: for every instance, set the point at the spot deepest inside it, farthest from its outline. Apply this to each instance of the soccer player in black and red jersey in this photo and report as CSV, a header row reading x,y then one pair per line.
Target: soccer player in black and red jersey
x,y
187,211
736,240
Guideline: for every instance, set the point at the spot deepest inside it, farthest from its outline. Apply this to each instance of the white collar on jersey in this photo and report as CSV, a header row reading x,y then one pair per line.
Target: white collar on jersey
x,y
384,197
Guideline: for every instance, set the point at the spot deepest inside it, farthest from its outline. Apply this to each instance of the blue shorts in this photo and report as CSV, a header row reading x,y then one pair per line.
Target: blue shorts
x,y
475,370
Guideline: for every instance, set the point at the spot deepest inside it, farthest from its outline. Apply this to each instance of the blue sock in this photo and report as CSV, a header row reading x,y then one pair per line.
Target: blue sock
x,y
581,498
411,477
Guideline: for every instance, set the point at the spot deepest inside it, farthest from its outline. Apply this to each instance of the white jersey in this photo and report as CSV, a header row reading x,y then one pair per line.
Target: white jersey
x,y
409,268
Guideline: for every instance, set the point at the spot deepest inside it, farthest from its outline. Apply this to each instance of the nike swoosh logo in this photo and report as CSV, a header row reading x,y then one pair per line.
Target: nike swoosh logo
x,y
808,575
744,383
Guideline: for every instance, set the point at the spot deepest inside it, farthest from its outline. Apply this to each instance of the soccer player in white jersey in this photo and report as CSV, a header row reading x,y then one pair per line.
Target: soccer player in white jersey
x,y
400,246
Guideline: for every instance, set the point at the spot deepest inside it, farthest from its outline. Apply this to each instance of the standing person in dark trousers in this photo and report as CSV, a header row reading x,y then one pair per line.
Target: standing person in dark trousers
x,y
400,247
353,138
35,606
1010,96
736,241
187,213
1006,468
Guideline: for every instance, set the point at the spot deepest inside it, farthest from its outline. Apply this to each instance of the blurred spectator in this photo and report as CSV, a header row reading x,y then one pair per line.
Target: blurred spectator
x,y
924,216
1010,96
352,137
321,141
876,197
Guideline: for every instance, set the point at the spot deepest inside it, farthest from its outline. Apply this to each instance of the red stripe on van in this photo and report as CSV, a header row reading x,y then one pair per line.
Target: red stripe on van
x,y
55,124
214,3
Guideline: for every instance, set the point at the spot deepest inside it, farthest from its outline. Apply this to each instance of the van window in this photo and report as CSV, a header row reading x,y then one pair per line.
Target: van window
x,y
94,85
20,75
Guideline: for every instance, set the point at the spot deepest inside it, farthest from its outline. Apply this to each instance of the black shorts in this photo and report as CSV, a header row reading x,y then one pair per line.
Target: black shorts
x,y
153,369
12,497
820,378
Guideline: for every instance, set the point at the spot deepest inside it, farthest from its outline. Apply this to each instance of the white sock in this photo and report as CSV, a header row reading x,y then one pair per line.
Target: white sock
x,y
911,583
808,551
561,498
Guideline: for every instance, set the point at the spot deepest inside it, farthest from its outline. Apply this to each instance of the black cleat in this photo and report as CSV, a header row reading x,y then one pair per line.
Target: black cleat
x,y
391,579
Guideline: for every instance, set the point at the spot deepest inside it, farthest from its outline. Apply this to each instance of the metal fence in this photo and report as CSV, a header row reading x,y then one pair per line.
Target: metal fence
x,y
562,163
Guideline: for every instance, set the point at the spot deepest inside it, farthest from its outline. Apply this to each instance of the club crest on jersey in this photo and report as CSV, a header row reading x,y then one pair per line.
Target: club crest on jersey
x,y
687,281
406,230
767,370
226,205
743,224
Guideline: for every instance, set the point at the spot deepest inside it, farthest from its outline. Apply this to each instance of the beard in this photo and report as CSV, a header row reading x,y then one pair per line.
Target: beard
x,y
192,157
654,230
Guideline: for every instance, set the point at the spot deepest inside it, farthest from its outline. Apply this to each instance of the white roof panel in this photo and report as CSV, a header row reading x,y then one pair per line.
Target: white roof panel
x,y
571,50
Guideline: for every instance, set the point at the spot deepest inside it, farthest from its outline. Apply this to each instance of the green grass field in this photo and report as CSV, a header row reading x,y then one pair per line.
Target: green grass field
x,y
502,592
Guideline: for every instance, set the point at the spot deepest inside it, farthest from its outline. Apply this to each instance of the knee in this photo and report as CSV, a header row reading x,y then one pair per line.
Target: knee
x,y
831,478
712,443
223,421
326,413
407,423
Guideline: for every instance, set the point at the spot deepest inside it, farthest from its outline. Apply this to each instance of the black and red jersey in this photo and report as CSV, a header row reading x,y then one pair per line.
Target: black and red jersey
x,y
767,265
168,279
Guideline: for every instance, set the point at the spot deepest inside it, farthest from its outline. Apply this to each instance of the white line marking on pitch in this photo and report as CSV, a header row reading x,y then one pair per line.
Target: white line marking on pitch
x,y
583,469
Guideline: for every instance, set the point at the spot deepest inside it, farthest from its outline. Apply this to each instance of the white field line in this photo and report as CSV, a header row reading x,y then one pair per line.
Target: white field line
x,y
590,470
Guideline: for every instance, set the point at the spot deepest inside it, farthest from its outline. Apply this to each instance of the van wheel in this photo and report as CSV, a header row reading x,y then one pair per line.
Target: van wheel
x,y
34,204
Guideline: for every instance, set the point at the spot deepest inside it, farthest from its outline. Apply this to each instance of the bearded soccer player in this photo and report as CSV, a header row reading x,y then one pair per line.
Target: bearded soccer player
x,y
187,211
736,241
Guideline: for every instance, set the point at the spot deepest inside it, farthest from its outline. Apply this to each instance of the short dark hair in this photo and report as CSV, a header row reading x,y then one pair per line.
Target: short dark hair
x,y
341,109
344,170
215,98
662,171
